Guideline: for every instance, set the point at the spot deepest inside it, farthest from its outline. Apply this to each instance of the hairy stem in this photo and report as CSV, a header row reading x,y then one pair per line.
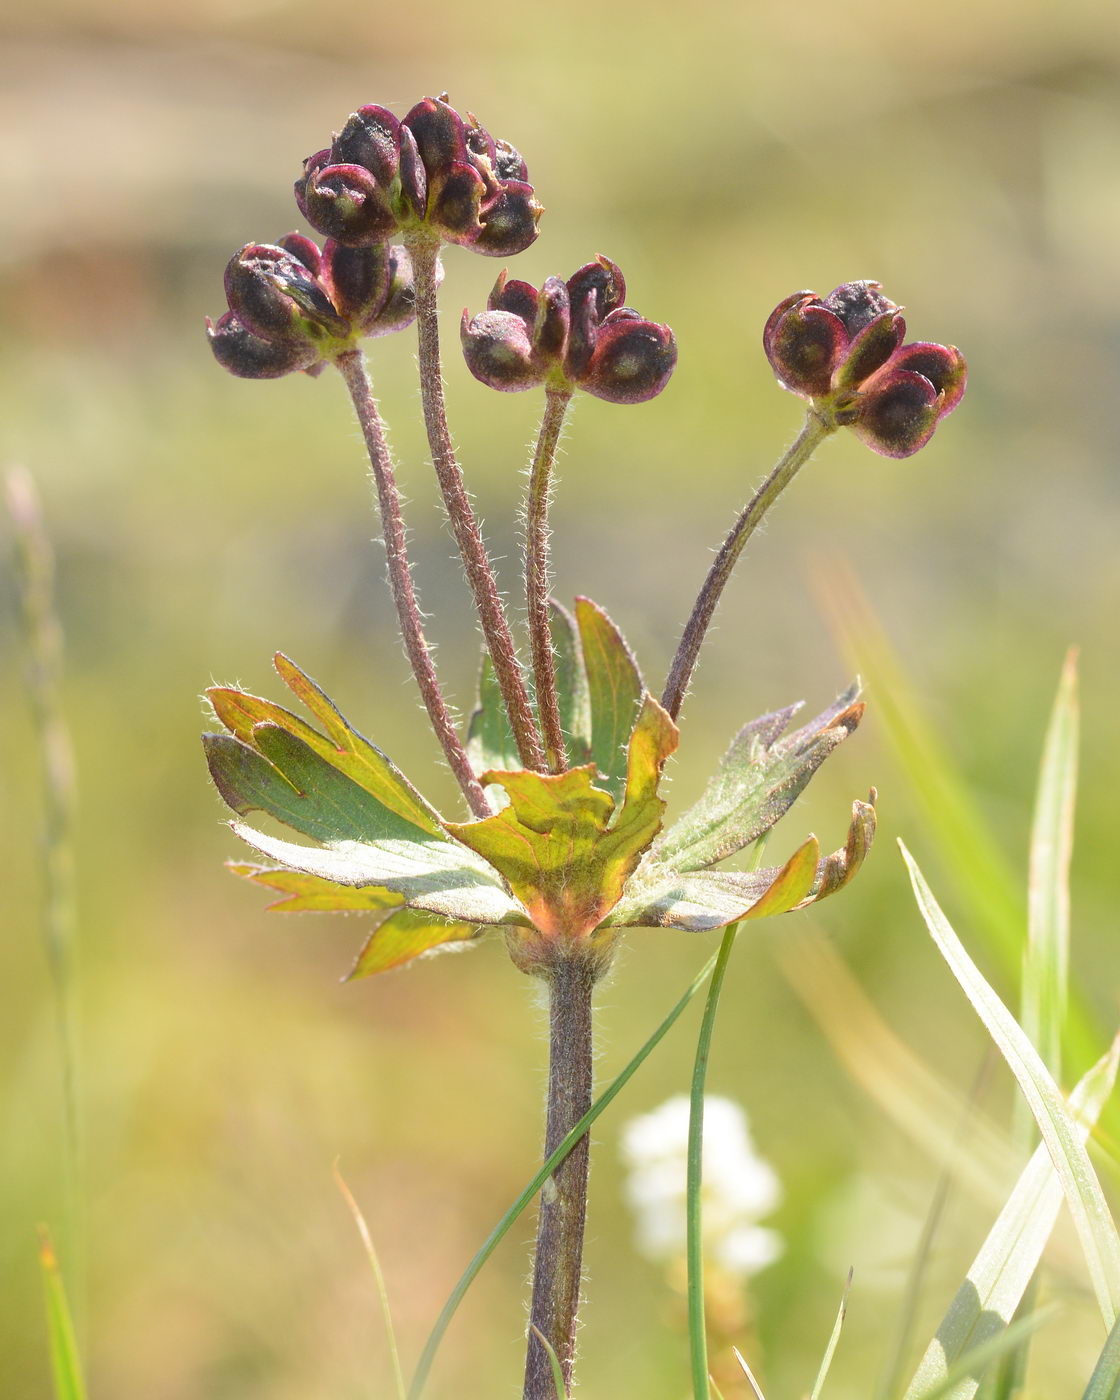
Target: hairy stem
x,y
464,524
352,367
558,1264
812,434
537,584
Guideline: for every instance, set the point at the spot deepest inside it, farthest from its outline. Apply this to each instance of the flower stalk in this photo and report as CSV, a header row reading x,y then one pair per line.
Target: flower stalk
x,y
813,433
558,1262
537,582
464,524
352,368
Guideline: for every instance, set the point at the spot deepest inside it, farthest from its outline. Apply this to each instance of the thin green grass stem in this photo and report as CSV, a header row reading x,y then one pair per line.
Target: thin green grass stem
x,y
553,1361
697,1330
378,1279
605,1099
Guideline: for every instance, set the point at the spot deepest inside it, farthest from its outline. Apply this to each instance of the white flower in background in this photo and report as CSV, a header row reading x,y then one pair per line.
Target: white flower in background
x,y
739,1188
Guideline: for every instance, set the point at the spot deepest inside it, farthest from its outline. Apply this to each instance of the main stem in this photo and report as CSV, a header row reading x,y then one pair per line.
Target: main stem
x,y
558,1264
537,584
464,524
812,434
352,368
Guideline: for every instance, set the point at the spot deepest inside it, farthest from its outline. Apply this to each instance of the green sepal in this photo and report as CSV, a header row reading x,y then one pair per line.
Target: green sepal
x,y
696,901
562,846
615,692
404,935
757,781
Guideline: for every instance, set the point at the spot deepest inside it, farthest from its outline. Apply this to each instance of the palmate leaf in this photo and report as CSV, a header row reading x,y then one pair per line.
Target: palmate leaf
x,y
573,689
699,900
560,843
758,780
490,742
615,691
998,1278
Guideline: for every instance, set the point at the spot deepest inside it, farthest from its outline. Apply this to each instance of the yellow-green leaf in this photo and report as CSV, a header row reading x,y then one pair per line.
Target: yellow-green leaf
x,y
305,893
406,934
556,844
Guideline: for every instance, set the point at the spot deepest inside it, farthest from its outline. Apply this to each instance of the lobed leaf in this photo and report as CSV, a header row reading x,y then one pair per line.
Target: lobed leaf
x,y
994,1286
757,781
572,686
312,894
699,900
560,844
490,742
1095,1227
615,692
406,934
439,877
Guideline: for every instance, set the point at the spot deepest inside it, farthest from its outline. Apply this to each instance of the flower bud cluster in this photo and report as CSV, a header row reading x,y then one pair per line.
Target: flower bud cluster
x,y
568,335
295,306
845,353
431,170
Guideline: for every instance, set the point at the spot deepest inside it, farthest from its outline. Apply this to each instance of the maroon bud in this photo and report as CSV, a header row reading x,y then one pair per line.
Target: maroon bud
x,y
414,178
574,335
858,304
805,346
370,138
247,356
440,134
632,359
357,278
870,350
942,365
455,196
275,296
509,222
305,250
346,203
898,412
498,350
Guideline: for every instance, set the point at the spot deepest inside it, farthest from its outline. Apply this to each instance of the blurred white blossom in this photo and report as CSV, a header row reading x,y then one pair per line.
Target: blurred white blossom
x,y
739,1188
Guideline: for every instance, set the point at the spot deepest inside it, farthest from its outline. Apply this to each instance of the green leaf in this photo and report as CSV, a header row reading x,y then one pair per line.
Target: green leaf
x,y
975,1365
490,741
1082,1190
1046,958
833,1341
573,691
615,691
439,877
999,1276
312,894
1104,1383
404,935
66,1364
564,850
757,781
699,900
343,747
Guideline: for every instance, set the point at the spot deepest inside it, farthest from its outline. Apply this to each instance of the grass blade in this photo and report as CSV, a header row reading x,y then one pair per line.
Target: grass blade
x,y
746,1370
553,1361
1046,958
833,1341
986,1302
1095,1227
378,1279
550,1164
697,1326
1104,1383
972,1367
66,1365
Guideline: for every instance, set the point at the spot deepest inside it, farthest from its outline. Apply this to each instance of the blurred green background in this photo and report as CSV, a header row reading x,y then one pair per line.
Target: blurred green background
x,y
725,155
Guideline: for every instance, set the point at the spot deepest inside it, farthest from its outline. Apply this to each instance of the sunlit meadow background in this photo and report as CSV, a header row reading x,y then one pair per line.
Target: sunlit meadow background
x,y
724,155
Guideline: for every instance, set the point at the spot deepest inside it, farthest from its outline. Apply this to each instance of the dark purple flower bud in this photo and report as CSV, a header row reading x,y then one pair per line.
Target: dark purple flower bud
x,y
569,335
345,202
844,352
433,169
294,307
275,296
249,357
